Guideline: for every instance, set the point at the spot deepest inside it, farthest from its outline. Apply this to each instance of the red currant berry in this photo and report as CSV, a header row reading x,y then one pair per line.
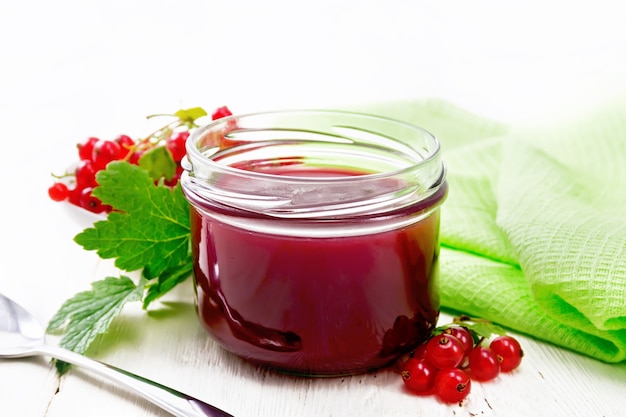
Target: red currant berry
x,y
221,112
104,152
90,202
58,191
452,385
508,351
444,351
85,175
127,144
135,157
419,375
172,182
484,364
85,149
176,145
75,196
464,335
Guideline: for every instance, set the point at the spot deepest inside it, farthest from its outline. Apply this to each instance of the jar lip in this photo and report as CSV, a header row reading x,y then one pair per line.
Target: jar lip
x,y
195,154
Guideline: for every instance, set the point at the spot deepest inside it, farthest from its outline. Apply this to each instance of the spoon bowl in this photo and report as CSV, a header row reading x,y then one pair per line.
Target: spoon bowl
x,y
21,335
20,332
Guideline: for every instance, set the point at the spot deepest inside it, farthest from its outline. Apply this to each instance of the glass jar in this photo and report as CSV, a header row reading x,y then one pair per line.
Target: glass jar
x,y
315,237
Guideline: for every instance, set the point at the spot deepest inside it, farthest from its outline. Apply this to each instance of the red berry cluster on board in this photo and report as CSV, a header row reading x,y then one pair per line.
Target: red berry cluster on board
x,y
94,154
446,364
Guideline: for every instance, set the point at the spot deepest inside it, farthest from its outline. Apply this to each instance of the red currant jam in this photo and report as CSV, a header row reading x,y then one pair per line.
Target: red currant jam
x,y
304,301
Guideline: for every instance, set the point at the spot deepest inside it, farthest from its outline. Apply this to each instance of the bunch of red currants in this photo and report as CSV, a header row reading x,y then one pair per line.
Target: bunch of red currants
x,y
94,154
446,364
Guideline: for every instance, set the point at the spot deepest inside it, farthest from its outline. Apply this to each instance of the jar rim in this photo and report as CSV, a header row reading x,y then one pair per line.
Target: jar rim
x,y
196,154
345,164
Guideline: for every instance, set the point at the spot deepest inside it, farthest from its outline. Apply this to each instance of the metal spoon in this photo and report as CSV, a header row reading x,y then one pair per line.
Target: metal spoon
x,y
21,336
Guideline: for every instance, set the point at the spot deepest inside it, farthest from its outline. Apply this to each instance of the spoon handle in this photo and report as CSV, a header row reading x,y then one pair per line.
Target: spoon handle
x,y
170,400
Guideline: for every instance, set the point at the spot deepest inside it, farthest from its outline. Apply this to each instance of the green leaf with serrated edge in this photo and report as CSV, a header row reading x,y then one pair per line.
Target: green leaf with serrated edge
x,y
189,116
90,313
166,281
159,163
151,229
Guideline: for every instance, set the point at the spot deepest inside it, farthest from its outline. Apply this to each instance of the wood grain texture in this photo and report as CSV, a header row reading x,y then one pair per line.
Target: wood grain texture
x,y
169,346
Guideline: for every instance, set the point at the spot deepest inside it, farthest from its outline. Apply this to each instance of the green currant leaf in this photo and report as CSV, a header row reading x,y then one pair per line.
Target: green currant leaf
x,y
159,163
90,313
149,228
479,329
166,281
189,116
484,329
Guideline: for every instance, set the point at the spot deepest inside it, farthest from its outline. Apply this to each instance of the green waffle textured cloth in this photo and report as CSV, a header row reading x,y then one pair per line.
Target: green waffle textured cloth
x,y
533,232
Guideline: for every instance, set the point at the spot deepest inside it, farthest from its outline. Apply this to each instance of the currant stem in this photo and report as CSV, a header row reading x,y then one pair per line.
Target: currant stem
x,y
150,116
168,127
61,176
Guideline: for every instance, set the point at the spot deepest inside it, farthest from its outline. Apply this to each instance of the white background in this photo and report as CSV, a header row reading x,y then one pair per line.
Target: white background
x,y
120,60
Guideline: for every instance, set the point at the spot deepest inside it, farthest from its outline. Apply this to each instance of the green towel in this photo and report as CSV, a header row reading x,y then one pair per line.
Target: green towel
x,y
533,232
